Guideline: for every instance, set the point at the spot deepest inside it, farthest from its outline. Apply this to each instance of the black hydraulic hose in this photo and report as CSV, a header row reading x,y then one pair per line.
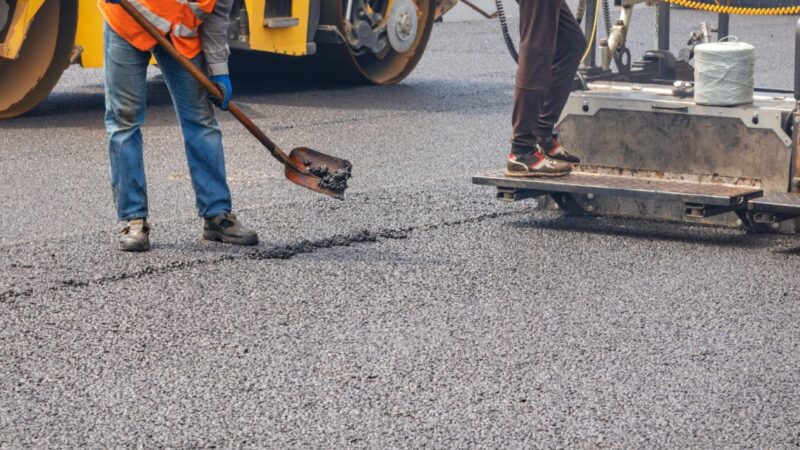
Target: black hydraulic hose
x,y
501,16
607,17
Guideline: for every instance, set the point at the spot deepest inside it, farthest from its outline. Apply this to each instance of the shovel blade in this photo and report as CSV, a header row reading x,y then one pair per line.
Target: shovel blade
x,y
319,172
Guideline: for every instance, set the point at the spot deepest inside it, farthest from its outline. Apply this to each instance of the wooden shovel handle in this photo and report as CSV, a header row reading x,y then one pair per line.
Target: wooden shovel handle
x,y
211,87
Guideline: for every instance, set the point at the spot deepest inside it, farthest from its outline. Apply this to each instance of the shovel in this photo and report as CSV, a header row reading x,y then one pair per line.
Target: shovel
x,y
309,168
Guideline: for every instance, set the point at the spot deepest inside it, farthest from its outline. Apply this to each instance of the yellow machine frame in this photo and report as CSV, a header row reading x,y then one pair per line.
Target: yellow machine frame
x,y
286,41
40,38
23,16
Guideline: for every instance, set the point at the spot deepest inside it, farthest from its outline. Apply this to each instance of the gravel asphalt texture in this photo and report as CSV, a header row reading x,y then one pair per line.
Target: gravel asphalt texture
x,y
419,312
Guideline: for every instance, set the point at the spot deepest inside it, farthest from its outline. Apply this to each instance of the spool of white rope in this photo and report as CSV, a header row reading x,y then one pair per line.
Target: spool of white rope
x,y
723,73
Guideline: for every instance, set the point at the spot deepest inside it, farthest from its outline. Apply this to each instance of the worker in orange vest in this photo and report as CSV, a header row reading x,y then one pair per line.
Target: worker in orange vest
x,y
198,29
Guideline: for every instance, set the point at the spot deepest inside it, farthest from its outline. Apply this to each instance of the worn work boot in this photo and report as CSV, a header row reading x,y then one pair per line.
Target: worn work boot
x,y
227,228
554,150
135,237
535,164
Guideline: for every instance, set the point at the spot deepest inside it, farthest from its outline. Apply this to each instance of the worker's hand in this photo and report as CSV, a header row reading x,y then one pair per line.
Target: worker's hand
x,y
223,83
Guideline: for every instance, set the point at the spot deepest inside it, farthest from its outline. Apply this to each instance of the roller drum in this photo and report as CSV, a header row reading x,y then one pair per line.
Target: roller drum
x,y
370,68
44,56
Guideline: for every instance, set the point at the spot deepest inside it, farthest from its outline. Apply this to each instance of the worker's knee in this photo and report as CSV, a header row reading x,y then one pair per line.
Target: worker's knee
x,y
208,124
198,113
123,118
534,69
123,114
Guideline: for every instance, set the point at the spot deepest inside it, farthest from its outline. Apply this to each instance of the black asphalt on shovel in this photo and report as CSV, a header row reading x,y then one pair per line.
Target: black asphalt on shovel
x,y
308,168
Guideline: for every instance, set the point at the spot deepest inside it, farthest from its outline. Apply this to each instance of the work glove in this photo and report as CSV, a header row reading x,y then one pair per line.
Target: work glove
x,y
223,83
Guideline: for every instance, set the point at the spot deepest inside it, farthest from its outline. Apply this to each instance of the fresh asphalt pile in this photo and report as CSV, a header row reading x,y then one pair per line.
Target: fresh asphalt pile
x,y
417,312
335,181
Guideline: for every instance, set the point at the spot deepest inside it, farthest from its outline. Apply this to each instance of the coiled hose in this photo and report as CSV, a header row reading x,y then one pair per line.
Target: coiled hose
x,y
501,16
607,17
725,9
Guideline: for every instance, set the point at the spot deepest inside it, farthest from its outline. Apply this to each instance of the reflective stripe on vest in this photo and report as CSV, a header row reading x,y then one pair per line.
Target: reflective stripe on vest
x,y
199,13
184,31
180,18
159,22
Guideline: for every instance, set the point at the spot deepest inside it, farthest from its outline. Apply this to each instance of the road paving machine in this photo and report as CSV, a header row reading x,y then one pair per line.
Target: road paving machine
x,y
648,149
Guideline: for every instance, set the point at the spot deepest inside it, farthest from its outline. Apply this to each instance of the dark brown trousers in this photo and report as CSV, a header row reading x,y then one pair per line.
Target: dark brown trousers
x,y
550,48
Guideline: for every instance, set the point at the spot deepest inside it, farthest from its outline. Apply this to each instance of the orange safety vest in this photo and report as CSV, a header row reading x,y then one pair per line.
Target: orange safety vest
x,y
179,18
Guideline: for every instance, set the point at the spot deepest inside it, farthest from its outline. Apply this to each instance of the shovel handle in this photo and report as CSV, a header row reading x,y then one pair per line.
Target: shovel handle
x,y
206,83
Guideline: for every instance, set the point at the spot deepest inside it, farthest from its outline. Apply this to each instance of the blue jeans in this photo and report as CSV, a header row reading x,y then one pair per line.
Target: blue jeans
x,y
126,91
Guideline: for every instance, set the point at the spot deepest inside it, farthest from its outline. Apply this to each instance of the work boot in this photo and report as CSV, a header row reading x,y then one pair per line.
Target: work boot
x,y
554,150
227,228
135,237
535,164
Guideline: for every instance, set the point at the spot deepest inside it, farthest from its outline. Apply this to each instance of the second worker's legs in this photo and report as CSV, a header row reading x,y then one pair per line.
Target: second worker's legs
x,y
538,27
570,45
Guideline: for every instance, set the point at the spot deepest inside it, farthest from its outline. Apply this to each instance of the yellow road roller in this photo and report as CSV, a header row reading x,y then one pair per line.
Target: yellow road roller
x,y
350,41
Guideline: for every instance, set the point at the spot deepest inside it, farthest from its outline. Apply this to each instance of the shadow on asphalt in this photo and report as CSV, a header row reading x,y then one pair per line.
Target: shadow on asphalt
x,y
85,109
657,230
80,109
794,251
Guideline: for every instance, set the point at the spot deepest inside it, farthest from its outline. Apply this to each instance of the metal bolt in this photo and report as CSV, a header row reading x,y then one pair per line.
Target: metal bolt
x,y
739,222
590,196
755,118
590,208
585,106
404,25
776,225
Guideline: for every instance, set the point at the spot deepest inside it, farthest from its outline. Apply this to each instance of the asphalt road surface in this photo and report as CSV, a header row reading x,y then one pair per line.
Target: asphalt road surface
x,y
420,312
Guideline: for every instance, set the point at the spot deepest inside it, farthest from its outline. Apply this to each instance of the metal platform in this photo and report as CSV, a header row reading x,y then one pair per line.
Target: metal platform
x,y
775,208
702,195
645,127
